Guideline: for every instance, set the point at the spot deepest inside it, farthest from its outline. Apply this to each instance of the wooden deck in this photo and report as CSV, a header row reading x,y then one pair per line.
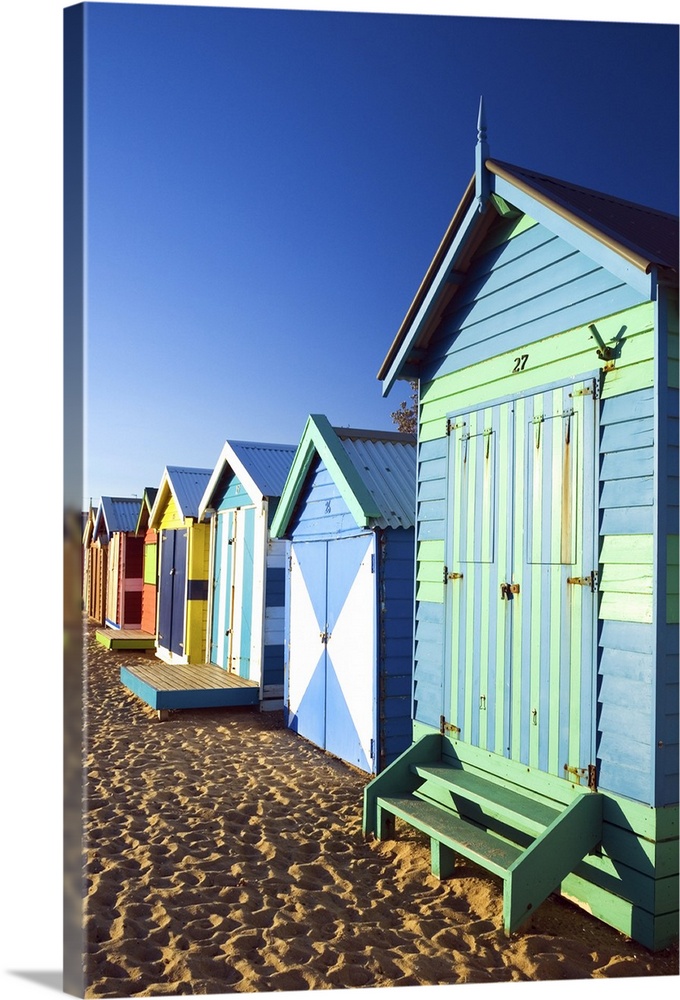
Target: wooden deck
x,y
125,638
166,687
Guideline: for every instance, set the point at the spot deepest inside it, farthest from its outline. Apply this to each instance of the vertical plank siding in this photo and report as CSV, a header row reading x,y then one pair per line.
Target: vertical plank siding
x,y
246,631
274,617
395,642
150,582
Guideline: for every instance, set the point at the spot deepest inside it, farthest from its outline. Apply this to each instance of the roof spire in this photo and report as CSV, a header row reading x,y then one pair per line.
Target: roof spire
x,y
481,155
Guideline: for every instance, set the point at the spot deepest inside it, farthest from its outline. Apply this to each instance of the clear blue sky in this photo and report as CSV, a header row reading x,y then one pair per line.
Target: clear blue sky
x,y
266,189
374,176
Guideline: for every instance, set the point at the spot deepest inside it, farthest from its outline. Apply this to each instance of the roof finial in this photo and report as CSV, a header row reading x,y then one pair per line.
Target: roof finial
x,y
481,155
481,122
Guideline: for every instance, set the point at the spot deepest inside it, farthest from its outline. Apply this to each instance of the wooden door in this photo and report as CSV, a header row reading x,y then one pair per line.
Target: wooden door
x,y
521,579
331,676
172,590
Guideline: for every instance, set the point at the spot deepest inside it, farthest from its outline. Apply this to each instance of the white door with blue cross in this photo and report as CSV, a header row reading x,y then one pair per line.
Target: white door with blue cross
x,y
331,676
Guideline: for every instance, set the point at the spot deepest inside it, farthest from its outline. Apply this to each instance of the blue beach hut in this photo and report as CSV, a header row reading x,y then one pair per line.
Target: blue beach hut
x,y
246,572
545,682
348,509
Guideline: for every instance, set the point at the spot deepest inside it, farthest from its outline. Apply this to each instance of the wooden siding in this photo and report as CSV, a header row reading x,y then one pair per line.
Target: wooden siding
x,y
396,559
519,293
558,358
322,511
172,516
631,674
274,614
235,495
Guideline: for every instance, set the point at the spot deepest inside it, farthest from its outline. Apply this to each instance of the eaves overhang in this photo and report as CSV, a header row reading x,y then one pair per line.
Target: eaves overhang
x,y
596,240
163,496
228,460
438,287
538,197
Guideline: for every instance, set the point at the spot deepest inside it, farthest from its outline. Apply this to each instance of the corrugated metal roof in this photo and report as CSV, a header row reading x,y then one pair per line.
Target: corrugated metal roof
x,y
386,462
649,233
119,513
188,486
267,464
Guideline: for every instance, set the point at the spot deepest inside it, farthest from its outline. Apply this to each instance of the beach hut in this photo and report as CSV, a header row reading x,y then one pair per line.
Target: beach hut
x,y
150,563
246,574
96,542
182,565
88,571
348,511
116,521
544,336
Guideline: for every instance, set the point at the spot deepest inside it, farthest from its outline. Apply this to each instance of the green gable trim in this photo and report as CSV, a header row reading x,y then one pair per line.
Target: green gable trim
x,y
503,208
319,438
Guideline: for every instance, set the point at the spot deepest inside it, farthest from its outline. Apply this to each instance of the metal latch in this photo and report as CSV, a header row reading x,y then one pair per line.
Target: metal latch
x,y
584,581
325,635
508,590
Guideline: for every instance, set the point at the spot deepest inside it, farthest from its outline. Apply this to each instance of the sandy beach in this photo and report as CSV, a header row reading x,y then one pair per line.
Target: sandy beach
x,y
224,854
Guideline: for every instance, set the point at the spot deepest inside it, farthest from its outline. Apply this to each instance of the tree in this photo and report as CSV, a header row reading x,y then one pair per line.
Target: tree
x,y
406,417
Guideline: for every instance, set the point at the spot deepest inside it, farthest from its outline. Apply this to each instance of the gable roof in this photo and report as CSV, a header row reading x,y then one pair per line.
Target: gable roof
x,y
647,236
116,514
148,498
375,472
645,239
186,485
262,469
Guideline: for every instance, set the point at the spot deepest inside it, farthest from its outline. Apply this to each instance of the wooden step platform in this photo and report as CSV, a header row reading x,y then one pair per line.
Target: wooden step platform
x,y
532,839
125,638
166,687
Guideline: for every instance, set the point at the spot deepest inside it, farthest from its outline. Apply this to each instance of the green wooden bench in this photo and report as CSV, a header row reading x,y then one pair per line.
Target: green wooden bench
x,y
529,838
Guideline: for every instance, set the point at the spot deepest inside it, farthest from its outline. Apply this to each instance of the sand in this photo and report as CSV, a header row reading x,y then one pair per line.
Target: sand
x,y
224,854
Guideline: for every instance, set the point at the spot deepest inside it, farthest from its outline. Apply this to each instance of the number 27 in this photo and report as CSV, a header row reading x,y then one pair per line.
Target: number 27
x,y
521,363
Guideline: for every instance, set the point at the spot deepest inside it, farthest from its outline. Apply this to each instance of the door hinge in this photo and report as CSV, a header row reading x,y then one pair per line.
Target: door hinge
x,y
447,727
575,774
450,426
451,576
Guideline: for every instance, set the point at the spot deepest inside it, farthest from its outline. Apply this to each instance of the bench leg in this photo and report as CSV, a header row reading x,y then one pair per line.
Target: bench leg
x,y
443,859
385,825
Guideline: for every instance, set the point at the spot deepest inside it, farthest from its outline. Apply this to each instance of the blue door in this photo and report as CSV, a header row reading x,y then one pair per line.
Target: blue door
x,y
331,678
172,590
